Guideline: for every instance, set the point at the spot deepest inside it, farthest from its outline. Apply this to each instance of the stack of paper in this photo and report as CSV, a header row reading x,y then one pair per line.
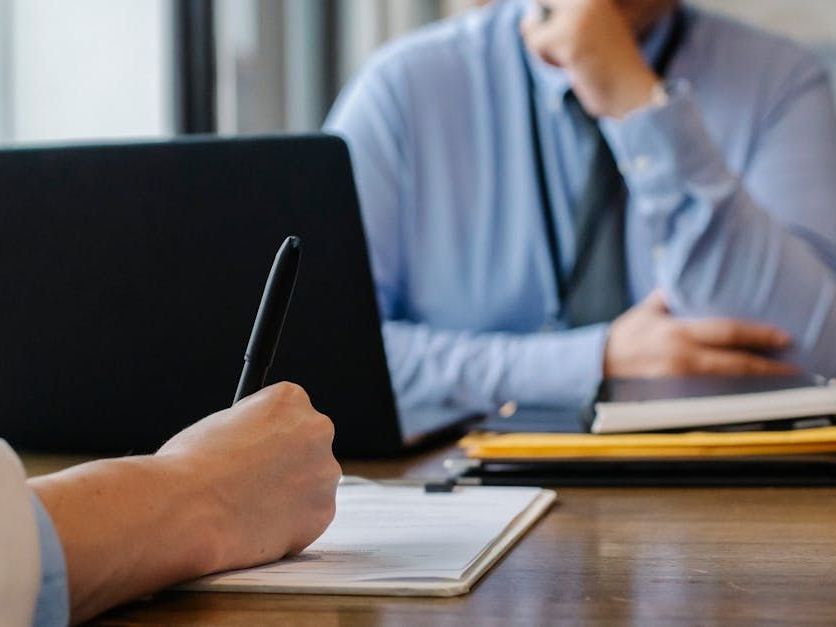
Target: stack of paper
x,y
556,446
400,541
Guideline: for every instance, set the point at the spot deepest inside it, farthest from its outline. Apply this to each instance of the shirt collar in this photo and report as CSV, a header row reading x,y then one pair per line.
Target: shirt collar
x,y
554,81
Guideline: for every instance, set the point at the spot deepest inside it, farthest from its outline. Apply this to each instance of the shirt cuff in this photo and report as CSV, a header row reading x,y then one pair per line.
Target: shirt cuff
x,y
53,604
666,156
563,368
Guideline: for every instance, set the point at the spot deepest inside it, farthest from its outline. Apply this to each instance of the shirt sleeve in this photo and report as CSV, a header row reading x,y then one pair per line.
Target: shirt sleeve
x,y
53,603
484,370
479,371
757,245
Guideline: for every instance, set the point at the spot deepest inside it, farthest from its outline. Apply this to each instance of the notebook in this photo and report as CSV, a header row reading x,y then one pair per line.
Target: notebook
x,y
625,406
400,541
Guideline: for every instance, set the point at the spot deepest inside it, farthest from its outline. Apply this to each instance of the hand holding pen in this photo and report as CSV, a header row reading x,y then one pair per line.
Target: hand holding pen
x,y
272,312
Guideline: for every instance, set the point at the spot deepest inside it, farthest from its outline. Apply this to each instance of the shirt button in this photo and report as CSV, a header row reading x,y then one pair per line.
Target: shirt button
x,y
658,253
641,163
508,409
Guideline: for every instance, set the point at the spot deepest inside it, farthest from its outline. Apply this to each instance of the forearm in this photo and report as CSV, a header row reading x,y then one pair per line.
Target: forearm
x,y
128,527
717,252
743,264
483,370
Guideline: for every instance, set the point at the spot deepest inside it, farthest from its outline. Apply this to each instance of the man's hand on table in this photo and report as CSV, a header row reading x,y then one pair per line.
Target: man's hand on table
x,y
647,341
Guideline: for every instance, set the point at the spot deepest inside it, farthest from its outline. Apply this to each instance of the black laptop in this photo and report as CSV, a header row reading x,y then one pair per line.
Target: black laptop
x,y
130,276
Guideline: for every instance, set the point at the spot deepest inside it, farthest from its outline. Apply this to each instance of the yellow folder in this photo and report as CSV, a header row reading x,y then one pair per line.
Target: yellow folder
x,y
695,444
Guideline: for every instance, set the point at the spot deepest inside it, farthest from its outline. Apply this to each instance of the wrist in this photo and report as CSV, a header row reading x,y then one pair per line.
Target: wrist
x,y
202,531
607,358
639,91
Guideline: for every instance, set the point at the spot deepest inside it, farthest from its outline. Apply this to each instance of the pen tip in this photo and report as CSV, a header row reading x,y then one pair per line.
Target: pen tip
x,y
294,241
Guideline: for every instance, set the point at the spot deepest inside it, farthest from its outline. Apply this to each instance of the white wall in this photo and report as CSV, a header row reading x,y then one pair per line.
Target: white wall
x,y
89,69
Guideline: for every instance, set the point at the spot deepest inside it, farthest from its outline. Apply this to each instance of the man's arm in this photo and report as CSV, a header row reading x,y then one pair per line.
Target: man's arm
x,y
719,252
483,370
242,487
428,365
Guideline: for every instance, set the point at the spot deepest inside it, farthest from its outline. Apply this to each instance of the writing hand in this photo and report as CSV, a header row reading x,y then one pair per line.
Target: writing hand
x,y
266,464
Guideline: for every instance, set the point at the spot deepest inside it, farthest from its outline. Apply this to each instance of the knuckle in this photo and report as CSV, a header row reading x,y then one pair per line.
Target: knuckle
x,y
330,511
727,332
323,425
761,367
673,334
325,518
321,518
748,365
335,471
287,392
744,364
292,390
676,363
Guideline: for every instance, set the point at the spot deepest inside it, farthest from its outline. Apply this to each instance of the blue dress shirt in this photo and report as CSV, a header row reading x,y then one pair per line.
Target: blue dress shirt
x,y
732,208
53,604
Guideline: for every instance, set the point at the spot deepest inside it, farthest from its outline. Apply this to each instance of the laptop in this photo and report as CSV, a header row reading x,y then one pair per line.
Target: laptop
x,y
130,276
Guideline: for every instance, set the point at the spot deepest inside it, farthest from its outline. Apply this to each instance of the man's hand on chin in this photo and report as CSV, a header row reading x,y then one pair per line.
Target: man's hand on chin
x,y
592,40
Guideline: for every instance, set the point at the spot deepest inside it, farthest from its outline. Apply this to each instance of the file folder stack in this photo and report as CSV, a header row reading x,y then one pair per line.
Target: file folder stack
x,y
695,444
746,431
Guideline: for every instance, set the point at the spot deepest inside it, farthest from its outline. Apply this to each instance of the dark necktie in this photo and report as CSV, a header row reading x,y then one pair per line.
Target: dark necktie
x,y
596,288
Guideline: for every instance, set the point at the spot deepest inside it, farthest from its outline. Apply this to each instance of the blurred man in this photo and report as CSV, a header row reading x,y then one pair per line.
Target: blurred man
x,y
242,487
557,193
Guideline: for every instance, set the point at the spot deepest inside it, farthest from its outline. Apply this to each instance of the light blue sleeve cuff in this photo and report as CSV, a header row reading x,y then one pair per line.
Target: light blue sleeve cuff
x,y
53,605
562,368
667,156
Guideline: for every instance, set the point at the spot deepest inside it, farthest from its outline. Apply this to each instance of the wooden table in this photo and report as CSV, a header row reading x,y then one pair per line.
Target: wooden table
x,y
601,556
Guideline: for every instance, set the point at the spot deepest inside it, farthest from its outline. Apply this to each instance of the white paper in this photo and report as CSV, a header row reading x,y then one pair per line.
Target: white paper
x,y
384,533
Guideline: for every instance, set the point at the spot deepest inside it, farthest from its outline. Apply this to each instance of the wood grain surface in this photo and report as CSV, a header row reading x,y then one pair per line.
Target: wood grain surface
x,y
601,556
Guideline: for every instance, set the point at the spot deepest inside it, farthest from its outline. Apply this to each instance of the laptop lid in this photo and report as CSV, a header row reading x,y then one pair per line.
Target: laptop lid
x,y
130,276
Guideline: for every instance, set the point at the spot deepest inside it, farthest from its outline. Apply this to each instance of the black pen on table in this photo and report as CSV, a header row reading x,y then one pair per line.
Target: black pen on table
x,y
267,329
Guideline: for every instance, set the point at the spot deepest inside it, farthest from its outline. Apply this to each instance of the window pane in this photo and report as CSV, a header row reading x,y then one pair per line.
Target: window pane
x,y
86,69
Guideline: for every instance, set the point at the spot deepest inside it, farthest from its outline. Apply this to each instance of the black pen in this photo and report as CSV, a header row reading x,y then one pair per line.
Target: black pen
x,y
264,339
